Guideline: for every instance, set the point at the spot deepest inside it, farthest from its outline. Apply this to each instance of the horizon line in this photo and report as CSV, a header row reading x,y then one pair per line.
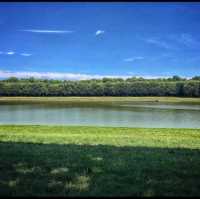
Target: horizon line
x,y
75,76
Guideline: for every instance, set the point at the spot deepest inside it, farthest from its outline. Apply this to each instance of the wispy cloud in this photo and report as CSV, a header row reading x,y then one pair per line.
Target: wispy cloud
x,y
25,54
187,39
56,75
158,43
131,59
49,31
175,41
99,32
10,53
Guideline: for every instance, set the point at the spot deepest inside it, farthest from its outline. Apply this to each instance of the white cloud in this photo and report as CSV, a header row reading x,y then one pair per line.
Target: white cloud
x,y
131,59
99,32
56,75
71,76
49,31
158,42
148,76
25,54
188,40
10,53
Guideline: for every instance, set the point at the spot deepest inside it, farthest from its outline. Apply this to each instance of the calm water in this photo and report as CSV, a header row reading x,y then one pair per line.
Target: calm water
x,y
126,115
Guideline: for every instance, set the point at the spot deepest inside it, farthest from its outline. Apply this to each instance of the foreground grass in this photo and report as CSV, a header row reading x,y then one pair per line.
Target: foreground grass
x,y
18,100
91,161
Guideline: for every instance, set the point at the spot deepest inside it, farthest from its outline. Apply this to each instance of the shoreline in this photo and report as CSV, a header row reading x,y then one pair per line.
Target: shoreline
x,y
104,99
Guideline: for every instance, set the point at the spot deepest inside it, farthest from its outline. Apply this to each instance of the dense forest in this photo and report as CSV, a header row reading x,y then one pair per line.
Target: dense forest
x,y
174,86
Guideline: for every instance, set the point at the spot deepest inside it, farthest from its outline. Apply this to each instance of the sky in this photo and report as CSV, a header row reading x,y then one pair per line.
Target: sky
x,y
95,40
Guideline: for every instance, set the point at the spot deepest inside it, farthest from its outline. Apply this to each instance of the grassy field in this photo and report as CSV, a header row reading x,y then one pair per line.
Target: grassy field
x,y
57,100
91,161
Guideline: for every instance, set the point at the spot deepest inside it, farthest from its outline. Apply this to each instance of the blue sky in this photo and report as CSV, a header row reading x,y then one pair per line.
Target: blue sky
x,y
86,40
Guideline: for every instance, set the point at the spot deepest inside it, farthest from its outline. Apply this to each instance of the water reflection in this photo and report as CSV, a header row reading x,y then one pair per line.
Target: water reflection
x,y
127,115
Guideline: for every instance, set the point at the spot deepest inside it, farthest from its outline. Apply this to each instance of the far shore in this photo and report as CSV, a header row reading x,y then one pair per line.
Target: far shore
x,y
101,99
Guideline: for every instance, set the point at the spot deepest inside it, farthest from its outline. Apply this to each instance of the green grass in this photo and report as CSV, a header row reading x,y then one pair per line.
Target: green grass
x,y
18,100
91,161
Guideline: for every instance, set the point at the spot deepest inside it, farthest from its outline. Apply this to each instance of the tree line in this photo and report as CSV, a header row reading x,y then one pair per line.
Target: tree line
x,y
174,86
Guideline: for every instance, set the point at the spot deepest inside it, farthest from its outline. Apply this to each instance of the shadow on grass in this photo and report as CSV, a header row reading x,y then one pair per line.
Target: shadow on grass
x,y
98,170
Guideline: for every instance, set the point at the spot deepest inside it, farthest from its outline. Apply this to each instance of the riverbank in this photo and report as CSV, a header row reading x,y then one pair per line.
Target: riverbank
x,y
98,161
186,100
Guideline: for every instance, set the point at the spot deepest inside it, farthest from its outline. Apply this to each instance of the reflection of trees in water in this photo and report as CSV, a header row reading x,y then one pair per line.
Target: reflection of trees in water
x,y
113,115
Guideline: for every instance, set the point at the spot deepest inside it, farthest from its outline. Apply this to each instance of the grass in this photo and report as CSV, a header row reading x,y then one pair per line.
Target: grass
x,y
56,100
98,161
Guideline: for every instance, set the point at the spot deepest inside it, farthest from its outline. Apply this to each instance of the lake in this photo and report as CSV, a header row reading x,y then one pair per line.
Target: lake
x,y
155,115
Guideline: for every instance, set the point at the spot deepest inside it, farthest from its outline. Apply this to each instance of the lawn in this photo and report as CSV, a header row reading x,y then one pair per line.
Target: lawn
x,y
98,161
